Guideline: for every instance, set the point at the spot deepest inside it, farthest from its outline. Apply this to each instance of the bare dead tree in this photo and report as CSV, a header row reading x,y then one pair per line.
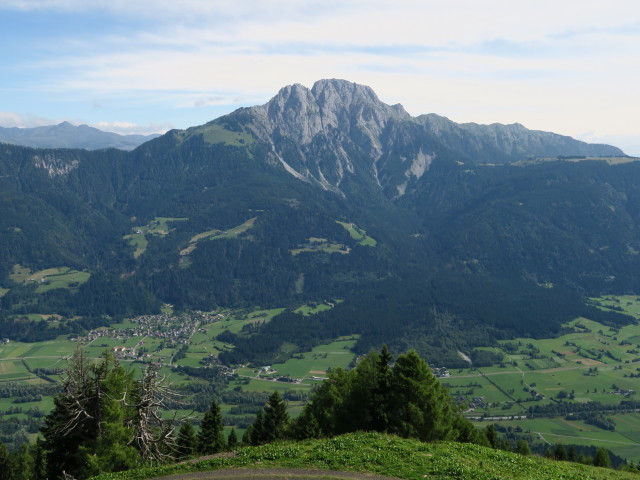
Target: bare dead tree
x,y
154,435
78,395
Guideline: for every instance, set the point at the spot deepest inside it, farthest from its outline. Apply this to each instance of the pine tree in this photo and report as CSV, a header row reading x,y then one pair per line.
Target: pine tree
x,y
258,433
421,407
492,435
522,447
411,402
210,437
272,422
232,440
186,442
86,432
276,418
559,452
7,466
24,462
381,398
602,458
247,436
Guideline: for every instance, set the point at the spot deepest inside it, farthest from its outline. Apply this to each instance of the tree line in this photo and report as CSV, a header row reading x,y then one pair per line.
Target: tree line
x,y
105,420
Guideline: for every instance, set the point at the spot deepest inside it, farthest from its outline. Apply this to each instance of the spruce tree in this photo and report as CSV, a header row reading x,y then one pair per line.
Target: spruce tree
x,y
7,466
257,433
559,452
87,432
247,436
382,391
276,418
522,447
421,406
272,421
210,437
186,442
411,402
602,458
232,440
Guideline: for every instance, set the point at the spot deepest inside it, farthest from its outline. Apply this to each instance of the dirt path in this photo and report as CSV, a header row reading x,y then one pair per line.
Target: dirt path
x,y
274,474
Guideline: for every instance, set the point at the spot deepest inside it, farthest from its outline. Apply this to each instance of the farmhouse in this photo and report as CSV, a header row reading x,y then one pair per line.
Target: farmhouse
x,y
123,352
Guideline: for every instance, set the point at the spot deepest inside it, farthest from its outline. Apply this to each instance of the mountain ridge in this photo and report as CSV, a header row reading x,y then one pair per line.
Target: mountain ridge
x,y
452,210
326,133
67,135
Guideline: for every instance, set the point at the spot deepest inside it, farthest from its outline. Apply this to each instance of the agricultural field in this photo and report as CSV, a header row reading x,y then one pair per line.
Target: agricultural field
x,y
159,226
593,363
315,364
590,363
48,279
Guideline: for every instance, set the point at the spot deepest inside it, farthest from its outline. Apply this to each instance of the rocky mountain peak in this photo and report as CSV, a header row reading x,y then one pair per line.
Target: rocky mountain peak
x,y
301,113
338,134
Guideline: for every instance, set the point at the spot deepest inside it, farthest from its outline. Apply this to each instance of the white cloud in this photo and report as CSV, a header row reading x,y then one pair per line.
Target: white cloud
x,y
568,67
127,128
13,119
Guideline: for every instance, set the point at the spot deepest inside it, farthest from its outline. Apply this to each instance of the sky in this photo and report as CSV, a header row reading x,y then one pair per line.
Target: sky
x,y
141,66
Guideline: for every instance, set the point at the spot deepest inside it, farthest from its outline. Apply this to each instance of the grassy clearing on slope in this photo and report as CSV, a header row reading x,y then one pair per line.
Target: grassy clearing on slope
x,y
391,456
215,235
157,227
359,234
215,133
48,279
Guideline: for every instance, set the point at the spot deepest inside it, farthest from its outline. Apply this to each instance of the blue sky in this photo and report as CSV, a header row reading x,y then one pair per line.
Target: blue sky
x,y
138,66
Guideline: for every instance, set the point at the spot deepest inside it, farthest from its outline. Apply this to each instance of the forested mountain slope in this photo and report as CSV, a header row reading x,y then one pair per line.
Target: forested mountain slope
x,y
324,193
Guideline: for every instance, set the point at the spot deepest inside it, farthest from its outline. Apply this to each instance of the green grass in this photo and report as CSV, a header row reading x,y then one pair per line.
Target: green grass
x,y
139,243
14,370
71,279
215,133
48,279
216,234
315,244
359,234
317,307
318,361
159,226
268,386
390,456
624,441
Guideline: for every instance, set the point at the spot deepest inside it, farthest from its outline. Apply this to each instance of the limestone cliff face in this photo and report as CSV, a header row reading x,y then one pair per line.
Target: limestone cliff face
x,y
334,130
338,134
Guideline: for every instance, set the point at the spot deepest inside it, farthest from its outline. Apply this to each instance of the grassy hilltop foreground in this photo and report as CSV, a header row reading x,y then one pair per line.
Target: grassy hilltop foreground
x,y
373,453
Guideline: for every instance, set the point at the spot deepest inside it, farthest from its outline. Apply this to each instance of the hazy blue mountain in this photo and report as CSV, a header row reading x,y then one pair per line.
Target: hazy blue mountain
x,y
66,135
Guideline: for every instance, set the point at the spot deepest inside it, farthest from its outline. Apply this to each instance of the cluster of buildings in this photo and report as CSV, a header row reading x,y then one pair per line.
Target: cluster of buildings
x,y
177,329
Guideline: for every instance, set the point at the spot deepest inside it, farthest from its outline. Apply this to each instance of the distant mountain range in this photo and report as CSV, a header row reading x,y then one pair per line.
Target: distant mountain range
x,y
435,235
66,135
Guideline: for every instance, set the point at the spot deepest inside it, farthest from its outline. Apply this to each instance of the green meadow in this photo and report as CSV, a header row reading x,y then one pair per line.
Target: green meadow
x,y
217,234
320,360
159,226
591,362
359,234
47,279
